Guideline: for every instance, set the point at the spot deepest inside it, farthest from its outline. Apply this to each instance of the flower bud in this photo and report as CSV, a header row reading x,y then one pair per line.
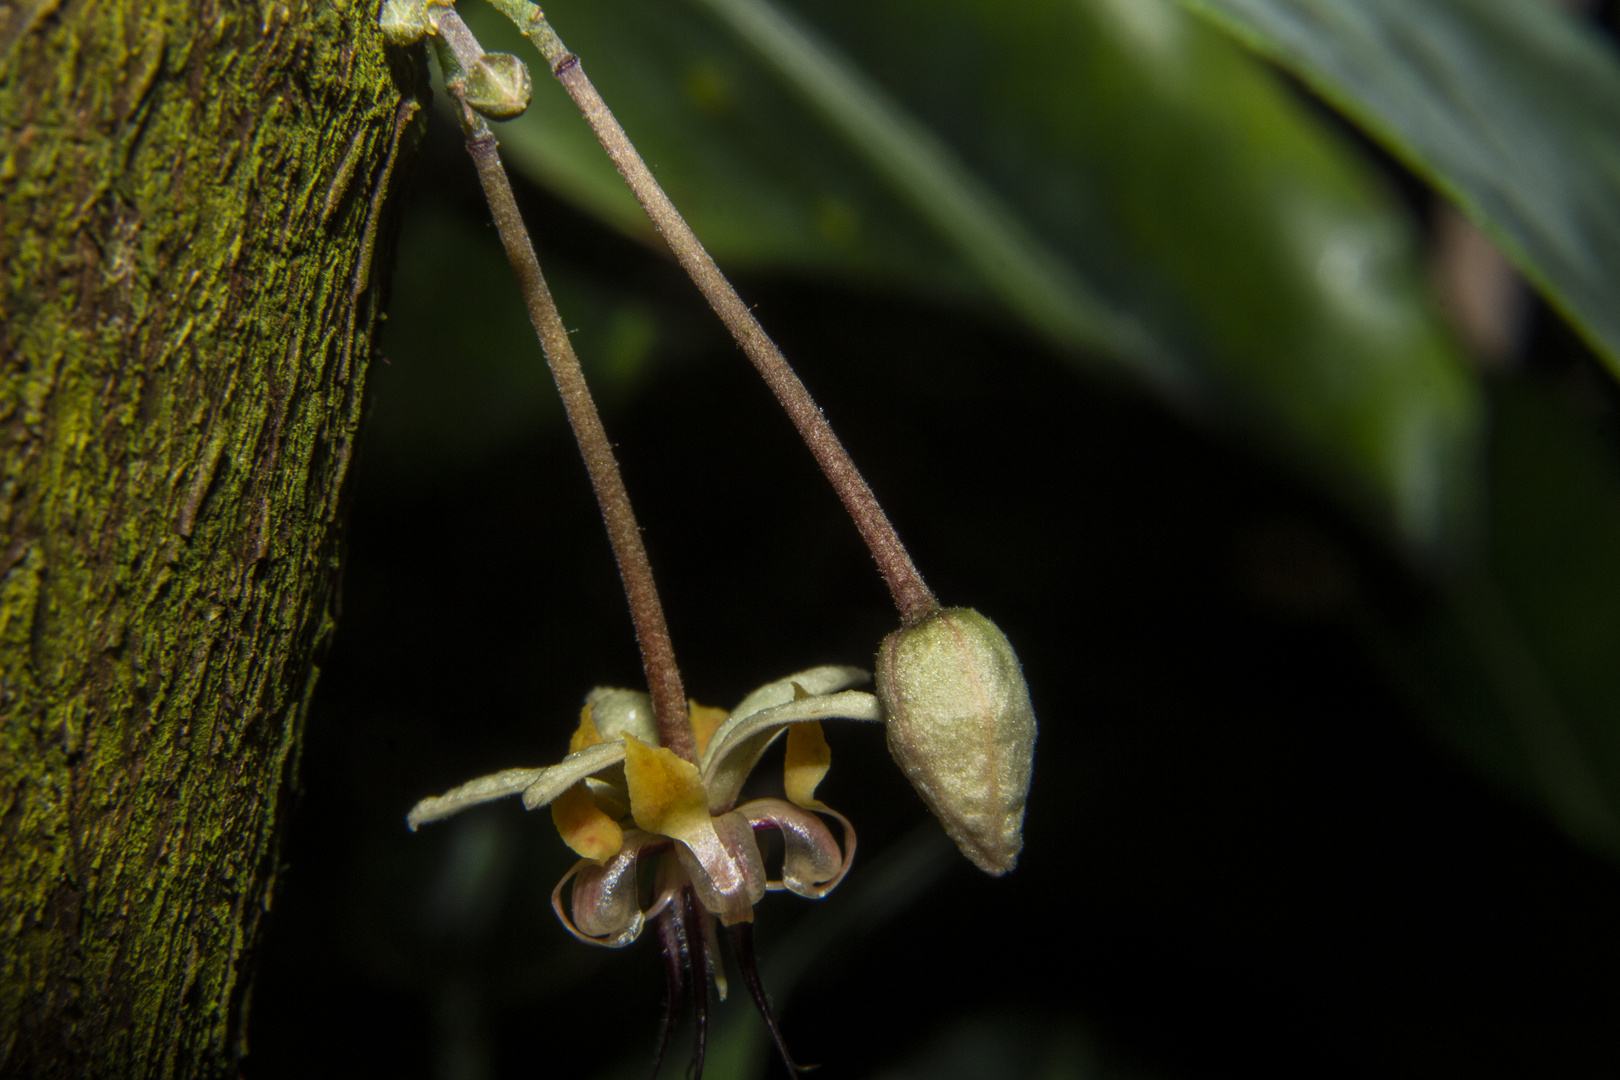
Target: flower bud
x,y
960,726
498,86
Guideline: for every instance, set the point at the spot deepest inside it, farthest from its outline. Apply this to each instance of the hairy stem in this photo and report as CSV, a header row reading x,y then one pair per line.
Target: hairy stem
x,y
911,595
652,633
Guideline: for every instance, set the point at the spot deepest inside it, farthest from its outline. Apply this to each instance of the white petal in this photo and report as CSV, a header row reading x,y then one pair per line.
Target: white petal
x,y
482,790
552,782
738,744
615,712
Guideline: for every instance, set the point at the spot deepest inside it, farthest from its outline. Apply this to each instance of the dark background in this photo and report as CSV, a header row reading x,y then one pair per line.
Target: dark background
x,y
1245,854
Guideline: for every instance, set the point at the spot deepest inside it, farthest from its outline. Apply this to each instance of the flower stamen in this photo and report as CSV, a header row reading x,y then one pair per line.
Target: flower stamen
x,y
672,934
742,943
698,951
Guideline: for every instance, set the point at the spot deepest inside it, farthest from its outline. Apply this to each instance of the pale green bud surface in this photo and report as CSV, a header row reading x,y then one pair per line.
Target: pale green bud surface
x,y
499,86
961,727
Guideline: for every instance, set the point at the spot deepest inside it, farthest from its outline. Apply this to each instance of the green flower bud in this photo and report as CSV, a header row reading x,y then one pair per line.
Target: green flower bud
x,y
961,728
498,86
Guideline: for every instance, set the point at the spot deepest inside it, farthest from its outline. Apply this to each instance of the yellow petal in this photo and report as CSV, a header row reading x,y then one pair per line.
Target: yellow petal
x,y
705,721
719,855
587,735
807,761
666,793
584,827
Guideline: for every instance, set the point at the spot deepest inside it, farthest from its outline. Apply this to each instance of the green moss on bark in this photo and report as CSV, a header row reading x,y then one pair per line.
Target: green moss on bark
x,y
190,191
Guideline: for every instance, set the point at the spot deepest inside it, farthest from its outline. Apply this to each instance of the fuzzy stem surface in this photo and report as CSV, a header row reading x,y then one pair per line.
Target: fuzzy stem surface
x,y
911,595
646,611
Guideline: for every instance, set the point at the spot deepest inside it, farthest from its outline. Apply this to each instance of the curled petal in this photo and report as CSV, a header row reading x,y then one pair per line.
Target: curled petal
x,y
727,871
737,746
547,784
605,898
812,864
668,883
718,854
482,790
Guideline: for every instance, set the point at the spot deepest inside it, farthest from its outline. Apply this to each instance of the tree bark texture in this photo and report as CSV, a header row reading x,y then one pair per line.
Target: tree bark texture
x,y
191,198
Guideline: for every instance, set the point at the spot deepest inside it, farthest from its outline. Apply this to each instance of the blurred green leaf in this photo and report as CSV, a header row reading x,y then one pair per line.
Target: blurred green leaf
x,y
1521,668
1508,106
1120,177
762,184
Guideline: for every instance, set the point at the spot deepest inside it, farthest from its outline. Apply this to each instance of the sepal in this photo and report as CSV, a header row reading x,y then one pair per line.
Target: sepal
x,y
482,790
569,771
736,748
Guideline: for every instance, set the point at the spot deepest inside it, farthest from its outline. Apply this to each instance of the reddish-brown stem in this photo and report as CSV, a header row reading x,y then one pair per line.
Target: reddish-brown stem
x,y
911,595
652,633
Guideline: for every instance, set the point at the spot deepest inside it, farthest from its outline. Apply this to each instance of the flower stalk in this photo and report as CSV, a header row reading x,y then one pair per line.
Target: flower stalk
x,y
911,595
959,719
460,55
652,780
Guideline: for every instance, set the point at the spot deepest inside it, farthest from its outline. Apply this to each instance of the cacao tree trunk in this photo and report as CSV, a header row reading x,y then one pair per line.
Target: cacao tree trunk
x,y
192,195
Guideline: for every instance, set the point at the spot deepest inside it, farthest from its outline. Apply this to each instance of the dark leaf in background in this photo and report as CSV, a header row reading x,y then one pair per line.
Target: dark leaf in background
x,y
1513,110
1242,854
1114,174
1137,190
1521,670
1509,107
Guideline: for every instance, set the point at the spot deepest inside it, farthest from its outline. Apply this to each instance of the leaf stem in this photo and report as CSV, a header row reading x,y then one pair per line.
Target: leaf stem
x,y
652,633
906,585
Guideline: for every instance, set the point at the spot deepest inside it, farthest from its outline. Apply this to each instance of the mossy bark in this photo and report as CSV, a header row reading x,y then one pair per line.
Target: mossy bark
x,y
192,193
